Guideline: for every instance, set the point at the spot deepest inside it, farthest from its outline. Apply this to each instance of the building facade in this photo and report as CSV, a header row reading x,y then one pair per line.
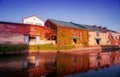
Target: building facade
x,y
33,20
17,33
33,31
99,35
68,33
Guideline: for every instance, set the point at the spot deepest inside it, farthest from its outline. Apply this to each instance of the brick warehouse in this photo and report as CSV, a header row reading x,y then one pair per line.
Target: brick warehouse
x,y
18,33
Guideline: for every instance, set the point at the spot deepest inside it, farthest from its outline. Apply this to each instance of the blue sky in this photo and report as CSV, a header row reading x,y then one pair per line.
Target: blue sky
x,y
92,12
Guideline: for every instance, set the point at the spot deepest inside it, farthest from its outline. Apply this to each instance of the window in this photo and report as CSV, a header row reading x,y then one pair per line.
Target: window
x,y
74,32
48,25
26,39
32,38
80,34
53,38
37,39
34,19
97,33
33,29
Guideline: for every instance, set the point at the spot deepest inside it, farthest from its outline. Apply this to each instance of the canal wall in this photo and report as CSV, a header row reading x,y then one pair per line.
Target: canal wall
x,y
110,47
83,49
78,49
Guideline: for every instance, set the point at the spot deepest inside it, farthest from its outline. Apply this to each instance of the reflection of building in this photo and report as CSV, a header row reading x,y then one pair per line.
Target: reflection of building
x,y
65,64
105,59
72,63
40,65
17,33
33,20
93,60
115,57
84,63
98,60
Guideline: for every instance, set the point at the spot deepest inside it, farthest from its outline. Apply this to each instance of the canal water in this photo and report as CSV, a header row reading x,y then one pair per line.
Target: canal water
x,y
90,64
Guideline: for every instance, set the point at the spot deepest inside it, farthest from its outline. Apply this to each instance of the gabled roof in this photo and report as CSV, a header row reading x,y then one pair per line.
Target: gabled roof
x,y
15,23
33,20
102,29
32,17
88,27
21,24
75,25
83,26
63,23
79,25
93,28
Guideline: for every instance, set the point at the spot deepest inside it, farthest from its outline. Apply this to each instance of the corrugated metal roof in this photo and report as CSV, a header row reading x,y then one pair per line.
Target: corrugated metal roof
x,y
79,25
75,25
63,23
88,27
71,24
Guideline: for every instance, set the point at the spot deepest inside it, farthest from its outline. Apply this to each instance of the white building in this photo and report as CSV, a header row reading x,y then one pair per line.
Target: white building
x,y
33,20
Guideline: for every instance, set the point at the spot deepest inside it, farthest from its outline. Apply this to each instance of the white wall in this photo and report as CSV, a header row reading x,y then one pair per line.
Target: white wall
x,y
42,42
33,20
92,40
103,37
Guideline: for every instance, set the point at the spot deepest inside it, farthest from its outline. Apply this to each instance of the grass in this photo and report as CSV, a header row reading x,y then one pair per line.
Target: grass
x,y
15,47
21,47
50,47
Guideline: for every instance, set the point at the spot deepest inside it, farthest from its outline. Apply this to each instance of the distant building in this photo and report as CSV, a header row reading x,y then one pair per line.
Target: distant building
x,y
33,20
99,35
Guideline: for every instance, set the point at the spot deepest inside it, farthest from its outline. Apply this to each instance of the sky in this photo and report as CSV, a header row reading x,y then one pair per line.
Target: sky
x,y
104,13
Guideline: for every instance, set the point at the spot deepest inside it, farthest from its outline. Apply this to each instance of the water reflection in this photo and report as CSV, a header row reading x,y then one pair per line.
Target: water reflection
x,y
102,64
61,64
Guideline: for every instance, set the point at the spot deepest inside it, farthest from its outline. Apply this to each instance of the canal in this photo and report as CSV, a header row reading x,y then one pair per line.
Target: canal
x,y
90,64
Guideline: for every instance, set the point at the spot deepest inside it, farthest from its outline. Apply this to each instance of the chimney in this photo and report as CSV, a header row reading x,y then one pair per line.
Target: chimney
x,y
100,27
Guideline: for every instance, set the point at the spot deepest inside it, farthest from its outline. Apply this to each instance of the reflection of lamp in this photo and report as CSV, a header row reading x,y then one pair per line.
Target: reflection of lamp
x,y
75,63
37,58
25,63
98,56
99,59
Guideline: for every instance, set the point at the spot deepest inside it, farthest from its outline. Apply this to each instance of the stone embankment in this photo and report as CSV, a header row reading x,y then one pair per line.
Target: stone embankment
x,y
86,49
75,50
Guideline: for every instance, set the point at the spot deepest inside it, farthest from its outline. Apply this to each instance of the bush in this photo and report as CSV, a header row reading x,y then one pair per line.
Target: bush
x,y
42,47
49,47
85,43
65,47
21,47
9,47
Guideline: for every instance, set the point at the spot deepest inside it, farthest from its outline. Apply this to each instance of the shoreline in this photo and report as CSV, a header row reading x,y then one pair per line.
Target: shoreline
x,y
74,50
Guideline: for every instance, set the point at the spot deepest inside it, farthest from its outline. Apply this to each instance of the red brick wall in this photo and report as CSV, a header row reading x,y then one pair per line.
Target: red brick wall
x,y
12,38
14,32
